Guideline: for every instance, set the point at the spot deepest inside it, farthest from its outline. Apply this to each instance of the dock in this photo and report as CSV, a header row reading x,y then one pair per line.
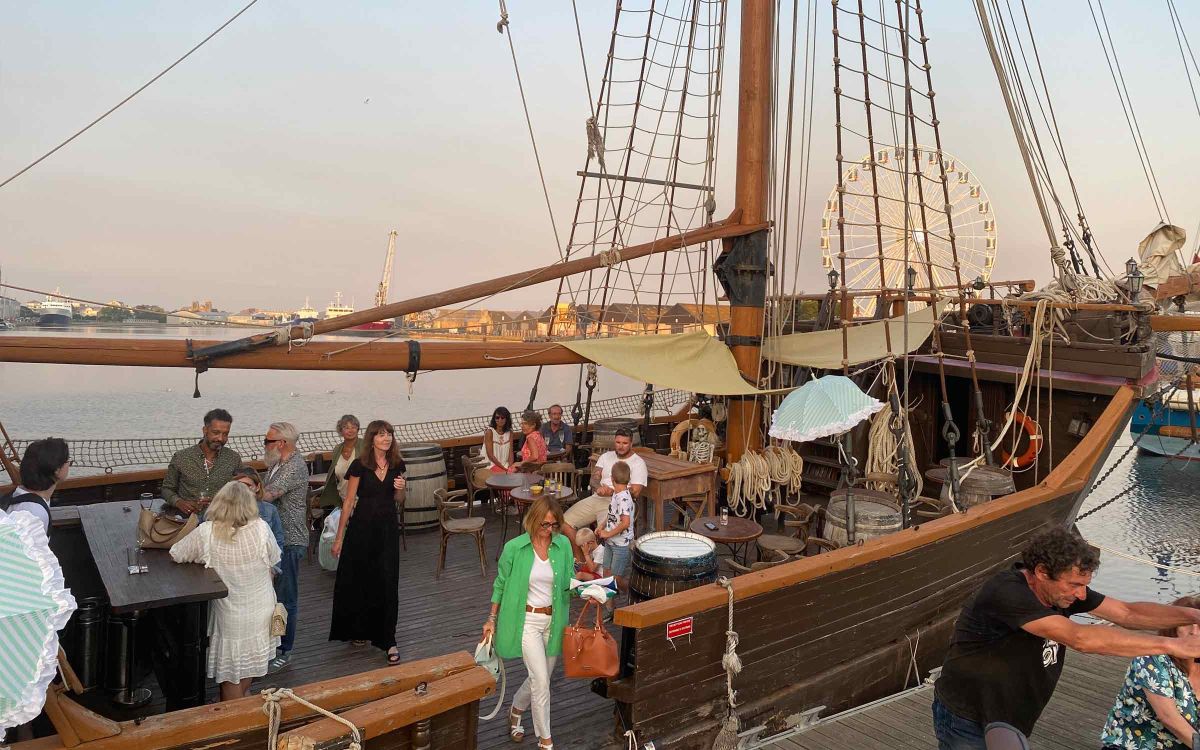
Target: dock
x,y
1071,721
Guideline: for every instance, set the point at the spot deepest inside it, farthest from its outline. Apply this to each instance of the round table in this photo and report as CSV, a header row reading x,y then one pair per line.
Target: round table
x,y
737,534
523,495
509,482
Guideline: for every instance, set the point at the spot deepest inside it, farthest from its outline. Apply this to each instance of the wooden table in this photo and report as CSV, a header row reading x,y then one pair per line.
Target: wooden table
x,y
316,481
673,478
737,534
177,595
524,496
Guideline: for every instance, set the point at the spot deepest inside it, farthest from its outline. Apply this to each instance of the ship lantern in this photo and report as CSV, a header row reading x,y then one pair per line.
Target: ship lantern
x,y
833,278
1135,276
911,275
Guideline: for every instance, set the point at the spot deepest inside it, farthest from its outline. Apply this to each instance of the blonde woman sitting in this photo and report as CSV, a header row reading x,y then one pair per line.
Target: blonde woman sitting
x,y
236,543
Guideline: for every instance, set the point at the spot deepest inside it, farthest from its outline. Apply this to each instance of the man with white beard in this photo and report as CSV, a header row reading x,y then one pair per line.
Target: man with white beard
x,y
286,485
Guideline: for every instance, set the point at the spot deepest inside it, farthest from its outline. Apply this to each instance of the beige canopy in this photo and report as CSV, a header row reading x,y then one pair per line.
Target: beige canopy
x,y
693,361
1158,254
865,343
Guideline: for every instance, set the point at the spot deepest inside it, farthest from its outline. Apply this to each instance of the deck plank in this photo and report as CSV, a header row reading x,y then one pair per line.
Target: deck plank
x,y
1072,719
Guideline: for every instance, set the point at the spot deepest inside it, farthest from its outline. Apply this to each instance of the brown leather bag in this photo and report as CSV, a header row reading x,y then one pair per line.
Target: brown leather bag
x,y
589,652
160,530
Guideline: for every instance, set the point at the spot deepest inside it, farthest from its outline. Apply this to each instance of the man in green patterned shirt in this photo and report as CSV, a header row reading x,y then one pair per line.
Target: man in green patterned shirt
x,y
196,473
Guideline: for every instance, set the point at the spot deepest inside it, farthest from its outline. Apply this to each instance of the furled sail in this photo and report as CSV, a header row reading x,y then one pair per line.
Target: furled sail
x,y
865,343
692,361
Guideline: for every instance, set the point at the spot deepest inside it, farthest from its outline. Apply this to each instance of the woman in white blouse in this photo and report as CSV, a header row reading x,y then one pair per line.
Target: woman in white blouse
x,y
498,441
236,543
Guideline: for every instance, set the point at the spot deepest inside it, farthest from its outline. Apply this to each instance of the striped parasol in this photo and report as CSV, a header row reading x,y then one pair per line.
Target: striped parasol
x,y
825,406
34,606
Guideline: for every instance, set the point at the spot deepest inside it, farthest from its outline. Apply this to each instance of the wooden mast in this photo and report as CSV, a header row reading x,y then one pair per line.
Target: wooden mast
x,y
742,267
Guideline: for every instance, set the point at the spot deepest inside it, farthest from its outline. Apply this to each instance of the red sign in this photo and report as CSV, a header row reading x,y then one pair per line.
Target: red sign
x,y
679,628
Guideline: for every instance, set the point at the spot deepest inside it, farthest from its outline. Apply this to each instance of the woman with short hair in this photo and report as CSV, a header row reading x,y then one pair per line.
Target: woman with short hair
x,y
533,450
1156,706
529,611
341,456
236,543
45,463
366,600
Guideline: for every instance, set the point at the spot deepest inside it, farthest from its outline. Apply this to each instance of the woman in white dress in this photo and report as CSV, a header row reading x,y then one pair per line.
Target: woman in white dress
x,y
236,543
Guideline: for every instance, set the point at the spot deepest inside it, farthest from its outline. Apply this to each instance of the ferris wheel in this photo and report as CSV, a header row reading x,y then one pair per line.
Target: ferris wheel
x,y
927,239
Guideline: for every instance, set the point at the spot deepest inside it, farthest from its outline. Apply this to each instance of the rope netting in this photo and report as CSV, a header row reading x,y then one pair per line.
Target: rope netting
x,y
133,453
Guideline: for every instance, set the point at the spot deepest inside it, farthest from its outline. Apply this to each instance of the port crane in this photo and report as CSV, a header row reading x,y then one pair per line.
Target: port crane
x,y
381,296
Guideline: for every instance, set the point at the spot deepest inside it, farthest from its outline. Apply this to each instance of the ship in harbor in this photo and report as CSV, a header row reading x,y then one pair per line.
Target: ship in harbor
x,y
306,314
55,311
993,403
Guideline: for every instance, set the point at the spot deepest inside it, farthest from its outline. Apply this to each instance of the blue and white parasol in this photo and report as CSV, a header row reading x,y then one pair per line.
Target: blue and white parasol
x,y
825,406
34,606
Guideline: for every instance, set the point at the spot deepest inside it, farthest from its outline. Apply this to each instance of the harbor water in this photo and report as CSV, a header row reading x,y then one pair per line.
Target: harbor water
x,y
1155,518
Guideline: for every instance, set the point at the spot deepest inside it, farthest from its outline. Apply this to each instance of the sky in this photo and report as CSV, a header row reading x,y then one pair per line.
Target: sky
x,y
270,166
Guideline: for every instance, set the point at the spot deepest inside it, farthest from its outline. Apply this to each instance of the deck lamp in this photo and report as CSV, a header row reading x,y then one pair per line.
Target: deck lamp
x,y
1135,277
911,276
833,278
978,284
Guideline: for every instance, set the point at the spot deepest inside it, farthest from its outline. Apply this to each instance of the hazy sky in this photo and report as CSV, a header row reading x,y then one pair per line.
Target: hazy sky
x,y
257,173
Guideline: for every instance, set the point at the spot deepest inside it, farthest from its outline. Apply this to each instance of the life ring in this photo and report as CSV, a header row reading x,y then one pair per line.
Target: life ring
x,y
687,426
1034,431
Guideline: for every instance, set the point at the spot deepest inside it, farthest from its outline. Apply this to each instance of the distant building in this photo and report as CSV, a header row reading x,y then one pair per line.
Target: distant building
x,y
10,309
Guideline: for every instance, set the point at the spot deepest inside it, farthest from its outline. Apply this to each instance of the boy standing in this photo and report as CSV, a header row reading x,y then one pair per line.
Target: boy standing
x,y
618,528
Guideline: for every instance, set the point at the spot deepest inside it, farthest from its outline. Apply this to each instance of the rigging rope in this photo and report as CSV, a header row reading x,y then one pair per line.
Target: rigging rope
x,y
727,736
271,698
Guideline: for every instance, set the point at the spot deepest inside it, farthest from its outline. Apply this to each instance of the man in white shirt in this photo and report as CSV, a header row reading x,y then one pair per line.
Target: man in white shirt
x,y
45,464
584,512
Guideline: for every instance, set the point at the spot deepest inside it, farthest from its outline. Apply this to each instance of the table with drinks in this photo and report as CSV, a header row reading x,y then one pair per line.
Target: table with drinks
x,y
518,491
150,594
738,534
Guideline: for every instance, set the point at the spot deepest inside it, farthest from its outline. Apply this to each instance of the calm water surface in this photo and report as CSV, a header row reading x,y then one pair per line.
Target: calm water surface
x,y
1157,520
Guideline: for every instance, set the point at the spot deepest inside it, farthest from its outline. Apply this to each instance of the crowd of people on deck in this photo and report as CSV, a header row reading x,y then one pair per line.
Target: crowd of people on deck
x,y
1005,658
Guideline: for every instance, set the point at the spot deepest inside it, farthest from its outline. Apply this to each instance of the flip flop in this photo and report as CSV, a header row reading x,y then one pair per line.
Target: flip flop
x,y
393,658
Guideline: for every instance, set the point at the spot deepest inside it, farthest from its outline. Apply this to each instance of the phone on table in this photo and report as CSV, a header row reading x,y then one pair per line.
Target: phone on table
x,y
710,526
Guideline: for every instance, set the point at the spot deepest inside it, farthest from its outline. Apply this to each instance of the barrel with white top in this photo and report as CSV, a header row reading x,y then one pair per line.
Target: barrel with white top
x,y
668,561
424,472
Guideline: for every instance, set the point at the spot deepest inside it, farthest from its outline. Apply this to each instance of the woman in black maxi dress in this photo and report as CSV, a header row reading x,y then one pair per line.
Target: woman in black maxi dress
x,y
365,596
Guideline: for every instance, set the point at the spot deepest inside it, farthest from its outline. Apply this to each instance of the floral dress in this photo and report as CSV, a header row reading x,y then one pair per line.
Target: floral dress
x,y
1132,724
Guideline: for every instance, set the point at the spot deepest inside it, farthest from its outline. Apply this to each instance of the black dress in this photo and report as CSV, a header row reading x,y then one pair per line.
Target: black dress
x,y
365,595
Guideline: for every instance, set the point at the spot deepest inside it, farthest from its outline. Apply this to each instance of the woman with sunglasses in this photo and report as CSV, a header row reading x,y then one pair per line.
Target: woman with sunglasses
x,y
529,611
498,441
366,597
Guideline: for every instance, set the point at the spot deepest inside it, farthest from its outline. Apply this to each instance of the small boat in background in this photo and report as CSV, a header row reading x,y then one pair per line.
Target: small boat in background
x,y
1166,427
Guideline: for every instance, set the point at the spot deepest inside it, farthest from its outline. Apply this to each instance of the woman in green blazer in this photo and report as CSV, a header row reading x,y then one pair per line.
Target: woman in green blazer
x,y
340,459
529,611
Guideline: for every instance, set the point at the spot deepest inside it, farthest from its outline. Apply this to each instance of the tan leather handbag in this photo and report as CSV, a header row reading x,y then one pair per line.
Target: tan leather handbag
x,y
589,652
160,531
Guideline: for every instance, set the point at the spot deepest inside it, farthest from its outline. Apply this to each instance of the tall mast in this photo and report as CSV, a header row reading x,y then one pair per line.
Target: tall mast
x,y
742,267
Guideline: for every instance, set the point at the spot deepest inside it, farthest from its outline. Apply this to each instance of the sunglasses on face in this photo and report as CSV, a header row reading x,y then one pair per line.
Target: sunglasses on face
x,y
547,526
269,441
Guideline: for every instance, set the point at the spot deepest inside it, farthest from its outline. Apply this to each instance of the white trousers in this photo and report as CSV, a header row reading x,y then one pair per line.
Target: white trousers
x,y
535,689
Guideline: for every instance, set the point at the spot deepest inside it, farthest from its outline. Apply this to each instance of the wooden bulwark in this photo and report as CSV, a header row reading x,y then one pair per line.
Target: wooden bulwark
x,y
441,717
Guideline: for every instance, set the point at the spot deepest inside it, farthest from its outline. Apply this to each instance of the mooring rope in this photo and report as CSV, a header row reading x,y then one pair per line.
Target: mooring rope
x,y
727,737
272,697
1146,561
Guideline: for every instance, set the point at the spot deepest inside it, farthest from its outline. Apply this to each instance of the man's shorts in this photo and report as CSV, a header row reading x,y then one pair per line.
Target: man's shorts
x,y
585,512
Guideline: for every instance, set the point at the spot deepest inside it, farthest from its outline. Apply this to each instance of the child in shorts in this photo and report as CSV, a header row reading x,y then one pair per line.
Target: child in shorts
x,y
593,554
618,528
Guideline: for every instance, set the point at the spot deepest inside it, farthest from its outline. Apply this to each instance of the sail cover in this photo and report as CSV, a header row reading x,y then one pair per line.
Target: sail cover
x,y
692,361
865,343
1159,254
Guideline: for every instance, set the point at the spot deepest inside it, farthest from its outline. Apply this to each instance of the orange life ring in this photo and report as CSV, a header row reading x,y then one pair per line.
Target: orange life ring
x,y
1031,450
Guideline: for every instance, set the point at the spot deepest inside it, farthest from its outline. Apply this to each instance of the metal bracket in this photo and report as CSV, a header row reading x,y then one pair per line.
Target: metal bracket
x,y
734,340
743,270
414,359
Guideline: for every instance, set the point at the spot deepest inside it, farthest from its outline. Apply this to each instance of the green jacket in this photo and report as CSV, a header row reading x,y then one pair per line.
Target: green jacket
x,y
512,588
329,493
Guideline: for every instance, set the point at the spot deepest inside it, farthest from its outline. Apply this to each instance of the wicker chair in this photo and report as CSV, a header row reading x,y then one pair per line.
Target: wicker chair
x,y
450,526
561,472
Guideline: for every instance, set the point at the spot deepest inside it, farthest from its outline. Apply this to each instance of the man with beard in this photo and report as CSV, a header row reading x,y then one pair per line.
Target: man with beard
x,y
286,485
195,474
584,513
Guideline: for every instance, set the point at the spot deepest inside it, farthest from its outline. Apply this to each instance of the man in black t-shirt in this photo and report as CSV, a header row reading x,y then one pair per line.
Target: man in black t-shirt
x,y
1010,641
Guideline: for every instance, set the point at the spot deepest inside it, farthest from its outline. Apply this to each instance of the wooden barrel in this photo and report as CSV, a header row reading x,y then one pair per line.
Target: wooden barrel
x,y
875,514
425,470
668,561
982,484
604,429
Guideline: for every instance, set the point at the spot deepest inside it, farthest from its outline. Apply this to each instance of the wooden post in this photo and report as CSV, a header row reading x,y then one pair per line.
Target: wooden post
x,y
753,168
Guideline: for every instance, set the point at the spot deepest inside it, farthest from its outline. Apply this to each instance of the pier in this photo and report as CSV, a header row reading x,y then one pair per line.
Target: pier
x,y
1071,721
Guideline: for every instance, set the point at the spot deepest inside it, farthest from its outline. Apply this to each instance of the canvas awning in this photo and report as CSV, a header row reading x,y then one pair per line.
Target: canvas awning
x,y
865,343
692,361
1158,254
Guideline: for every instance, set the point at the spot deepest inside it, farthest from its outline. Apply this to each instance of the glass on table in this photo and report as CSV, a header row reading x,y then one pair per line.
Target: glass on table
x,y
131,556
724,516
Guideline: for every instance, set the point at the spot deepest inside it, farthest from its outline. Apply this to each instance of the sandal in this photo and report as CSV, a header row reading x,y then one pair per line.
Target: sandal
x,y
516,732
393,655
542,746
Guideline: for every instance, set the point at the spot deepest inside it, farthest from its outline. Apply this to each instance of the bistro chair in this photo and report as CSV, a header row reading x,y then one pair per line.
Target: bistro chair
x,y
797,527
561,472
451,526
474,487
776,558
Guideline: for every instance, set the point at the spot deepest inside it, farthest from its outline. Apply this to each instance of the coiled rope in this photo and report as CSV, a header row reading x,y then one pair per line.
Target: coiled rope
x,y
785,467
727,737
749,484
883,450
274,712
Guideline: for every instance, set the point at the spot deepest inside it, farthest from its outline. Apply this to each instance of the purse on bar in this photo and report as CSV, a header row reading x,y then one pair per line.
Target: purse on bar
x,y
589,652
160,530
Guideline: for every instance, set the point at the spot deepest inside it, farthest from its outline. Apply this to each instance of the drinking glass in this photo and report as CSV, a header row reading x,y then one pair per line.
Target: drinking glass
x,y
724,516
131,556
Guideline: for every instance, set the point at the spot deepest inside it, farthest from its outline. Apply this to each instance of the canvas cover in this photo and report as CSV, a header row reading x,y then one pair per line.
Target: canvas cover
x,y
865,343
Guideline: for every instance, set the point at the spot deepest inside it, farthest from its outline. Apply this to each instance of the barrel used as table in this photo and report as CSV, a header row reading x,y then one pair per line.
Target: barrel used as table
x,y
425,471
603,431
875,514
668,561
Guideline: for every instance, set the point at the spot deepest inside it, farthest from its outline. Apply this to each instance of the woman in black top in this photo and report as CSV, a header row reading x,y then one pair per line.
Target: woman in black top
x,y
365,597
